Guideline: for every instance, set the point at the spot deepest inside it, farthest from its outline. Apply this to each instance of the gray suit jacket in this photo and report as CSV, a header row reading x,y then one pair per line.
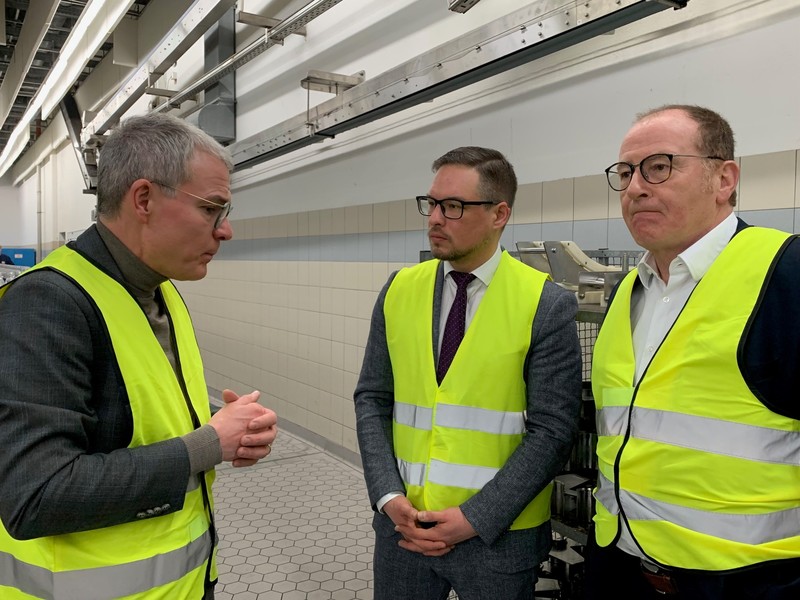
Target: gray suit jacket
x,y
65,420
553,365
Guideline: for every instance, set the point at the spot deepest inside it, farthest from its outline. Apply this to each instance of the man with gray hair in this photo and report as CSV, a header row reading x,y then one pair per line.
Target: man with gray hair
x,y
108,444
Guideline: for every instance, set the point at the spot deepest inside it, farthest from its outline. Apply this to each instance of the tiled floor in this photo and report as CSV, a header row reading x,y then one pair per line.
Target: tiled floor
x,y
296,526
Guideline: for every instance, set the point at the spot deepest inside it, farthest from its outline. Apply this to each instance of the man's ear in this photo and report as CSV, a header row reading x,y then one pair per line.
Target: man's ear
x,y
502,215
729,179
140,198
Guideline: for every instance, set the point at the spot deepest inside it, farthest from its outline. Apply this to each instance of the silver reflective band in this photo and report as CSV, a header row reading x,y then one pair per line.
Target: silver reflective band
x,y
463,476
194,482
103,583
720,437
413,415
705,434
460,417
612,420
411,473
480,419
744,529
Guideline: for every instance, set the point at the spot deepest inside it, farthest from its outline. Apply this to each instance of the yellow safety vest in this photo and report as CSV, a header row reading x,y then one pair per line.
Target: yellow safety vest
x,y
162,557
708,478
451,439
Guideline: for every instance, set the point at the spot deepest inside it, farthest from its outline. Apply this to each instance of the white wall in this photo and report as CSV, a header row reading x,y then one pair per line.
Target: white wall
x,y
286,305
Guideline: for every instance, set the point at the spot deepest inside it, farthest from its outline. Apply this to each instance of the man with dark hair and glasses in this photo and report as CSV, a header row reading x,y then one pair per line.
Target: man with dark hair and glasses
x,y
695,376
460,440
109,447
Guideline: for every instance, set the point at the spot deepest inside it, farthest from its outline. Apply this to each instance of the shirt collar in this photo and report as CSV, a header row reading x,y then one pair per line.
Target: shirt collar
x,y
698,257
486,271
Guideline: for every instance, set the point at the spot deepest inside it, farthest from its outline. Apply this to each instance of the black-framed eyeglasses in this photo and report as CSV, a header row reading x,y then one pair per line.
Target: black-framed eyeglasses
x,y
451,207
655,168
223,209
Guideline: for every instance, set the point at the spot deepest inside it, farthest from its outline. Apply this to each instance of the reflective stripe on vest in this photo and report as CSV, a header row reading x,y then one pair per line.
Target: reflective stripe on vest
x,y
163,556
461,417
742,528
106,582
450,440
708,476
703,433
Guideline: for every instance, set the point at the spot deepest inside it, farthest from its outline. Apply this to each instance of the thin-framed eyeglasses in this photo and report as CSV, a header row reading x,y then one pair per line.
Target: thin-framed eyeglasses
x,y
223,208
451,207
655,168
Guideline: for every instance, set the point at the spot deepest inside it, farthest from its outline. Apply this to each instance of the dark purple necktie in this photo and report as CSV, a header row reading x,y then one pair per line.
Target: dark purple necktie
x,y
455,326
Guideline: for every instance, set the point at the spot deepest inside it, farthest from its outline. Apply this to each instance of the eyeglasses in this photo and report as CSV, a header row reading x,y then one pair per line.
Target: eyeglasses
x,y
451,208
223,209
656,168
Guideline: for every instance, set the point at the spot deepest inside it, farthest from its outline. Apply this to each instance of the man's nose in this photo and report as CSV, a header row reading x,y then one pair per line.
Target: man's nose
x,y
437,215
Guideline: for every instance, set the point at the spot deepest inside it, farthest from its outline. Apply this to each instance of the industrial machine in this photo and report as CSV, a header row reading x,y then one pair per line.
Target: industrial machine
x,y
592,276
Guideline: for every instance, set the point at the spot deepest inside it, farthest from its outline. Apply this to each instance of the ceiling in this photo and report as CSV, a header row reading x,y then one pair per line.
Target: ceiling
x,y
60,26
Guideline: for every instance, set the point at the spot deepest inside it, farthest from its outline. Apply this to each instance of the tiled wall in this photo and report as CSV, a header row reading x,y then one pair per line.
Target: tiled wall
x,y
286,306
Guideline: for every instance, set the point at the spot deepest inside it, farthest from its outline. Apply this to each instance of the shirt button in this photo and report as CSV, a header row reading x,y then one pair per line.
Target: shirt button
x,y
650,349
665,298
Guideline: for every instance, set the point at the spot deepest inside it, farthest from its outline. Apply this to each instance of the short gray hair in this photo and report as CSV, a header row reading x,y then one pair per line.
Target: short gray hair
x,y
156,146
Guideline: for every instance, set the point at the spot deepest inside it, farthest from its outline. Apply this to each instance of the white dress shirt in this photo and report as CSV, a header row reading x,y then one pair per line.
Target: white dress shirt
x,y
656,305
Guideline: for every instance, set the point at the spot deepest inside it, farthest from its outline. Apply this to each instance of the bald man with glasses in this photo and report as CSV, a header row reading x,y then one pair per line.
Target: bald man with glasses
x,y
696,371
109,447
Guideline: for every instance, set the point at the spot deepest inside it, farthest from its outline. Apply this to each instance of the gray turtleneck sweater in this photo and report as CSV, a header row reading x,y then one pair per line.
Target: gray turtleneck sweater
x,y
142,282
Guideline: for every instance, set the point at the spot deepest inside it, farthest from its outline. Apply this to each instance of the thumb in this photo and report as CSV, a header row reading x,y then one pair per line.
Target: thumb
x,y
251,397
229,396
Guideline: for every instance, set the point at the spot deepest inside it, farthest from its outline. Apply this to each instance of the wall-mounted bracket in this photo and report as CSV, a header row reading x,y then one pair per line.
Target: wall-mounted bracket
x,y
331,83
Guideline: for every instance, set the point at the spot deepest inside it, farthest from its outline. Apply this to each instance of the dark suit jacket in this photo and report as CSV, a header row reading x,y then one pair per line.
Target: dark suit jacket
x,y
553,375
65,420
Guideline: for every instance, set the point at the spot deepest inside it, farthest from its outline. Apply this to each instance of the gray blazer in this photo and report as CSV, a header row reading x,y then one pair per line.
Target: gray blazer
x,y
553,405
65,420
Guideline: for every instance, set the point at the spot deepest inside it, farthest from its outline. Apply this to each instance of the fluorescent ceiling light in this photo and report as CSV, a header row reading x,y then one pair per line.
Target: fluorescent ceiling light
x,y
96,23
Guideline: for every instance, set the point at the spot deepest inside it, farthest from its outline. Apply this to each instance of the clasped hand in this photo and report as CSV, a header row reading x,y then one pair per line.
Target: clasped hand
x,y
450,527
246,429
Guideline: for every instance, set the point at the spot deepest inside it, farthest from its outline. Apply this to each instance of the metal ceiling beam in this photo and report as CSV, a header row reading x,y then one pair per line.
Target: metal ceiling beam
x,y
34,29
201,15
530,33
274,35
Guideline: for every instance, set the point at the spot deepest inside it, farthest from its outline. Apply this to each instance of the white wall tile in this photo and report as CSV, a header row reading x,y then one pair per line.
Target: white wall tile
x,y
557,201
768,181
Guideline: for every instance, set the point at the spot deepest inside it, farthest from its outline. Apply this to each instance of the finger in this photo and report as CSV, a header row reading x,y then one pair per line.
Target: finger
x,y
438,552
406,545
249,398
253,452
229,396
264,421
423,548
242,462
263,438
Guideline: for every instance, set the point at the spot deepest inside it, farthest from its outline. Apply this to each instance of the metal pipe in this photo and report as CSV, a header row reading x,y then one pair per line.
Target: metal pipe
x,y
273,36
